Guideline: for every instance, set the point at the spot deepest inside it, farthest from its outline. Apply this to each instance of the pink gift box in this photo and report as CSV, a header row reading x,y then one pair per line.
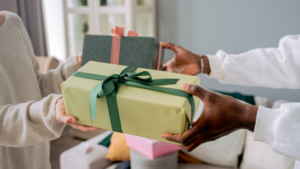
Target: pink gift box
x,y
150,148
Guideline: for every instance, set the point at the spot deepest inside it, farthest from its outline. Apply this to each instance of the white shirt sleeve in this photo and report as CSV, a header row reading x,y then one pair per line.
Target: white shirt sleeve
x,y
268,67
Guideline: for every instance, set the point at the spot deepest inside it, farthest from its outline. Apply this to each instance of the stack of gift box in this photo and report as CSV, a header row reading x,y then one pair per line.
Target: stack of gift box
x,y
147,152
120,87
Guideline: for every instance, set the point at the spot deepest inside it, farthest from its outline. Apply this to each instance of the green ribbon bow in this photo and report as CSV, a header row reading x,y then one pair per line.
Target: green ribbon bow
x,y
110,85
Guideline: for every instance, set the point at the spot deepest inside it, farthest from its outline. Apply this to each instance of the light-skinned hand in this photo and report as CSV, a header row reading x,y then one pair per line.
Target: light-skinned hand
x,y
72,121
79,58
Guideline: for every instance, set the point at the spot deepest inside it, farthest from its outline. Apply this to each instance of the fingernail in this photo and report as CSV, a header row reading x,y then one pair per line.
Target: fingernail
x,y
185,86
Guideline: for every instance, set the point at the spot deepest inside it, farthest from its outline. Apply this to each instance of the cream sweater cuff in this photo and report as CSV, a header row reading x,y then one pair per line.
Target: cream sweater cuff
x,y
70,67
43,113
51,118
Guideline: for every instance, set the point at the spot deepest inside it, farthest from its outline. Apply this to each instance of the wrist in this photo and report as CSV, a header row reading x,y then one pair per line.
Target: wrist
x,y
249,117
204,65
206,68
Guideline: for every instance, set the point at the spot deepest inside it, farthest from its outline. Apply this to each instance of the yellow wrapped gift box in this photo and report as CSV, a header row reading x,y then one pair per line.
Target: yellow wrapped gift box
x,y
141,112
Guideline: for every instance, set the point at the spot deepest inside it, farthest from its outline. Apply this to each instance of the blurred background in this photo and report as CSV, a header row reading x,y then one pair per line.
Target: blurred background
x,y
57,27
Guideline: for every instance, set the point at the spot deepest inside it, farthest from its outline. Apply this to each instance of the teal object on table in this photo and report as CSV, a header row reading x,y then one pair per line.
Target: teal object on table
x,y
106,141
246,98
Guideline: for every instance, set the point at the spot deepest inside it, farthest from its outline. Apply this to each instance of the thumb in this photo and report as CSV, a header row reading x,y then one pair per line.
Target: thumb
x,y
195,90
170,46
165,67
68,119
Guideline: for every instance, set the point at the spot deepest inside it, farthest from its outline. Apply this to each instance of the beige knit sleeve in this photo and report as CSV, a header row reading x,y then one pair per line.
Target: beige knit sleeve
x,y
50,82
33,122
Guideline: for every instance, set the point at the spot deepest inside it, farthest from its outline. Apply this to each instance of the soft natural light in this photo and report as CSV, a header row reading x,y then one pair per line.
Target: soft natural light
x,y
54,25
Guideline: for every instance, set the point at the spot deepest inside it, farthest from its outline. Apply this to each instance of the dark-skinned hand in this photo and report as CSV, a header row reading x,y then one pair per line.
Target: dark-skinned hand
x,y
184,61
221,115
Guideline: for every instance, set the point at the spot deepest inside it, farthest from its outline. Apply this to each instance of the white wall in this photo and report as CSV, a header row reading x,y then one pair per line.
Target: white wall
x,y
54,25
234,26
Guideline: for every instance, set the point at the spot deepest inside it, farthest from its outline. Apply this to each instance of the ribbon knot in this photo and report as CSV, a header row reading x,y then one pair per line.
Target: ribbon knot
x,y
113,82
122,78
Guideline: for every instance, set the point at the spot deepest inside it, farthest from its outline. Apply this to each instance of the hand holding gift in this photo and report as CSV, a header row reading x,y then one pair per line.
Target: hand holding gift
x,y
61,111
62,117
221,115
184,61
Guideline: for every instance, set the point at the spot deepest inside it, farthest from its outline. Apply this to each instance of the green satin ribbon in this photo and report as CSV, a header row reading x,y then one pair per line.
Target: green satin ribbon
x,y
110,85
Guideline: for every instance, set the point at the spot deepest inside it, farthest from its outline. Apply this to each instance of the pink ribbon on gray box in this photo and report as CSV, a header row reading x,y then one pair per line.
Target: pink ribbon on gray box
x,y
116,45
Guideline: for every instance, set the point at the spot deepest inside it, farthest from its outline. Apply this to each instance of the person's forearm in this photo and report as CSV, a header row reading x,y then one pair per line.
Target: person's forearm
x,y
250,112
267,67
50,81
29,123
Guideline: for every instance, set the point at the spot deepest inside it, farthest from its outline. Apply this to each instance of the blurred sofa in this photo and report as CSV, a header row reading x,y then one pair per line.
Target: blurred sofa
x,y
47,63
